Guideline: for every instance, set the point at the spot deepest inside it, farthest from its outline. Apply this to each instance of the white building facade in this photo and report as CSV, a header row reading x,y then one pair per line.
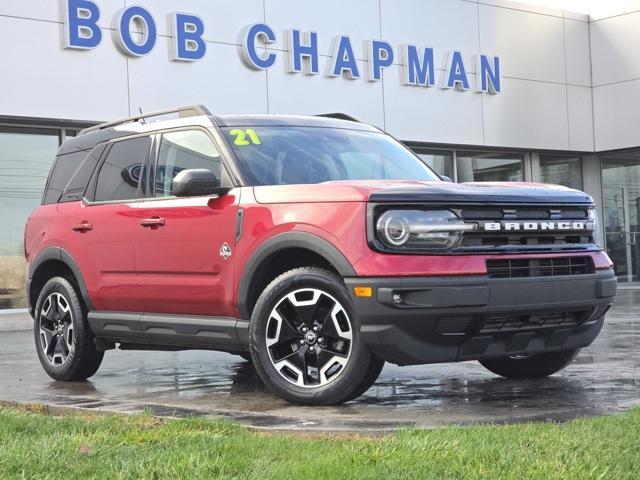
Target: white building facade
x,y
481,90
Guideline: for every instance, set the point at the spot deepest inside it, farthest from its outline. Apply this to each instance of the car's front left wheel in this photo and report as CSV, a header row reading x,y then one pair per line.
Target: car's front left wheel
x,y
306,342
64,341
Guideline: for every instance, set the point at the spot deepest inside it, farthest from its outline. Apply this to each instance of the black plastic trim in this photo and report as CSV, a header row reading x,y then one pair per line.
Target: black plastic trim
x,y
405,331
164,330
281,242
59,254
239,223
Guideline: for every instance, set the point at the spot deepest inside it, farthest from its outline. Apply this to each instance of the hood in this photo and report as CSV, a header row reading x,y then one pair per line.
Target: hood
x,y
391,191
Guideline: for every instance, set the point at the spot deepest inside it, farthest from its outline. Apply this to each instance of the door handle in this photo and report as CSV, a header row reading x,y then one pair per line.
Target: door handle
x,y
153,222
82,227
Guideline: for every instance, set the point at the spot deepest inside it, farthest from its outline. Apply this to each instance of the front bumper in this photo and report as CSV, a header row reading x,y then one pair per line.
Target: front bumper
x,y
449,319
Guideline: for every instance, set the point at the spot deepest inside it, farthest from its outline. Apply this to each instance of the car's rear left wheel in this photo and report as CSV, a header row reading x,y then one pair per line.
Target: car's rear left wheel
x,y
64,342
305,340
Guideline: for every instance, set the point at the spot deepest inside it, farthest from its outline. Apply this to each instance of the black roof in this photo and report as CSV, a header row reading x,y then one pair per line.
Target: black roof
x,y
91,139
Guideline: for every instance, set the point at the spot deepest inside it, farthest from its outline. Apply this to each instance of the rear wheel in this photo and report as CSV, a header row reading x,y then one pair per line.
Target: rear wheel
x,y
530,367
64,342
305,340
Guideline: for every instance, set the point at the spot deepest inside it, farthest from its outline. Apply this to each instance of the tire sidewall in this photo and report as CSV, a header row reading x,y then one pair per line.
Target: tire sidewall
x,y
360,357
62,286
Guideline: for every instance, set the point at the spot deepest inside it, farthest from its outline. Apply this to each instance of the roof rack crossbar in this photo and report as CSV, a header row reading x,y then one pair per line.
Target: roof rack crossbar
x,y
183,112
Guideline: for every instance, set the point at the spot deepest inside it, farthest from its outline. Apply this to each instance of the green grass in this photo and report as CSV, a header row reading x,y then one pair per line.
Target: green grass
x,y
34,445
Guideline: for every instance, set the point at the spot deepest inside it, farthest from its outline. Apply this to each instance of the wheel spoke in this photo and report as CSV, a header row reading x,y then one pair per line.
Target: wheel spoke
x,y
64,347
47,339
336,325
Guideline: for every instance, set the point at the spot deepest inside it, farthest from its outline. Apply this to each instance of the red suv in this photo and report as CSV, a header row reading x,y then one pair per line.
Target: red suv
x,y
317,248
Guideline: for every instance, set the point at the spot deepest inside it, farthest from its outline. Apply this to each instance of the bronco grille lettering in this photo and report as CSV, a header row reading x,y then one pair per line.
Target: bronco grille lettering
x,y
547,226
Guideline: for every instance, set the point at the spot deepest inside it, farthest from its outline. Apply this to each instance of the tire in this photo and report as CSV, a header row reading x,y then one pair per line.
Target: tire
x,y
532,367
64,342
375,367
305,340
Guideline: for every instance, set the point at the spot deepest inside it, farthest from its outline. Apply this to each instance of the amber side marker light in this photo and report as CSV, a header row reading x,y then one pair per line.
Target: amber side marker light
x,y
363,292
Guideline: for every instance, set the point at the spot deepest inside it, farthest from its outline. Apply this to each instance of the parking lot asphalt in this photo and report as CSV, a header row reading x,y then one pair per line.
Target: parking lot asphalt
x,y
605,378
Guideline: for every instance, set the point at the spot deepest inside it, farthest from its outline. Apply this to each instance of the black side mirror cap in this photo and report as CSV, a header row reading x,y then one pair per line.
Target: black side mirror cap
x,y
197,182
446,179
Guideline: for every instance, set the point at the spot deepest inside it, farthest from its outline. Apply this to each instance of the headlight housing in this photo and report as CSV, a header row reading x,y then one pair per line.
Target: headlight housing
x,y
419,230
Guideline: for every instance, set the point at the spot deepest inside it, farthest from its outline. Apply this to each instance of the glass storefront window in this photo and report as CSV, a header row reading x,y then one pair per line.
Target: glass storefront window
x,y
621,202
490,167
560,170
440,161
25,158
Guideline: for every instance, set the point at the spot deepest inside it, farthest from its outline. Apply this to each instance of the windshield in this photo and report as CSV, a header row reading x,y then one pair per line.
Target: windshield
x,y
276,155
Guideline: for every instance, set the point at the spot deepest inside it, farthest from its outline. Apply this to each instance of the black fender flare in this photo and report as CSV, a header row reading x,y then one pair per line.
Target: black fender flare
x,y
61,255
283,241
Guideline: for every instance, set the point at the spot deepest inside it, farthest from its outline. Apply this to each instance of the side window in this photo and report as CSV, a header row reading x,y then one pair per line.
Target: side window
x,y
120,173
63,169
78,184
184,150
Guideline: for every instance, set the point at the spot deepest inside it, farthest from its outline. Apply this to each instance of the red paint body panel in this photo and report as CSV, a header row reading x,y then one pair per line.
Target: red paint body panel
x,y
178,265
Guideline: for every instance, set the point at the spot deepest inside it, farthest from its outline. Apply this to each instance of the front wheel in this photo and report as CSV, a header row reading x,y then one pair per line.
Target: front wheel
x,y
305,340
530,367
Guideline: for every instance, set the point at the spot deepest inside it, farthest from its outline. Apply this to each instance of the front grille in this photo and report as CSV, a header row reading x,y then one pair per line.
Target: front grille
x,y
540,267
526,238
513,323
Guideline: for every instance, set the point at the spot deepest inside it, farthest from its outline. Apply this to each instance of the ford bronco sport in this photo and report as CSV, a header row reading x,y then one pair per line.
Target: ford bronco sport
x,y
318,248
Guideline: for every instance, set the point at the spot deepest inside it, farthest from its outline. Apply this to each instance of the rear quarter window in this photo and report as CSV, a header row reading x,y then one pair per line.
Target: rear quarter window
x,y
64,167
77,186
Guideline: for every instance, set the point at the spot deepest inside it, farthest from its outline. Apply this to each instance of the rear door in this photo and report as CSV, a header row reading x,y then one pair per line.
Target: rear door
x,y
184,246
101,227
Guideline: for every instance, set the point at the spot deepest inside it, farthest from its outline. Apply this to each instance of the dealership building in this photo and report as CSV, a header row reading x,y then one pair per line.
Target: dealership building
x,y
481,90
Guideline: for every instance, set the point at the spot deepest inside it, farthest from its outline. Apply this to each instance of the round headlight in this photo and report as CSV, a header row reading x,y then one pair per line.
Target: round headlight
x,y
394,228
420,230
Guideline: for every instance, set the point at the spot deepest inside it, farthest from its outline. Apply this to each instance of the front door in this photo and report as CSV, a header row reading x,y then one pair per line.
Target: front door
x,y
184,247
621,194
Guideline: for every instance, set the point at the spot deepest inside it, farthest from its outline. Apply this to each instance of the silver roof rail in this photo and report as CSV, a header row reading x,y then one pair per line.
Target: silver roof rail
x,y
183,112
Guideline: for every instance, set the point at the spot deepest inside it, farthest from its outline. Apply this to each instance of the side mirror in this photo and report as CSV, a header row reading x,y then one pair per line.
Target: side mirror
x,y
446,179
197,182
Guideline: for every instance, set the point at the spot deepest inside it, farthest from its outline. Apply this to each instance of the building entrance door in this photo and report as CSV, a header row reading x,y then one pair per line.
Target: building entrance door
x,y
621,196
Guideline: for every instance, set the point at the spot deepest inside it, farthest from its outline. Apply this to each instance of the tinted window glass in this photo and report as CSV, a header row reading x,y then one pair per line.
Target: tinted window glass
x,y
186,150
63,169
120,173
26,156
290,155
76,187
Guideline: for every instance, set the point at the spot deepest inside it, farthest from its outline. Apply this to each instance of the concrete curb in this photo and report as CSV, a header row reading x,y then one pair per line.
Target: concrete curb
x,y
15,322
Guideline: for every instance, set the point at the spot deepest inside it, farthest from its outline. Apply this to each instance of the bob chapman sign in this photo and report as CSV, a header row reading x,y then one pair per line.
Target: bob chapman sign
x,y
81,31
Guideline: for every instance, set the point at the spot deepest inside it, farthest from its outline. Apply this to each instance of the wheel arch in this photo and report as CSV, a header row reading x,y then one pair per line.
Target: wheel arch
x,y
51,262
316,247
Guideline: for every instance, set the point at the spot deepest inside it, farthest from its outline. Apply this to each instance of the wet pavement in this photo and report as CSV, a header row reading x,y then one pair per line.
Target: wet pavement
x,y
605,378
